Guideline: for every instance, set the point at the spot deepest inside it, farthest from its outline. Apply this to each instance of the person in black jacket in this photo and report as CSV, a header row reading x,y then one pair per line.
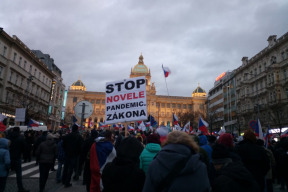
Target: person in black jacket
x,y
123,173
230,175
177,167
253,157
72,144
16,150
46,154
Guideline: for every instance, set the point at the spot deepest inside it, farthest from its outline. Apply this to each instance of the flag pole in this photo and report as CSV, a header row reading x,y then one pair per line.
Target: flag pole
x,y
165,81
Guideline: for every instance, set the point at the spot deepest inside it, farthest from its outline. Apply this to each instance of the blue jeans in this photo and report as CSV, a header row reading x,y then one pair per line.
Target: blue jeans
x,y
59,171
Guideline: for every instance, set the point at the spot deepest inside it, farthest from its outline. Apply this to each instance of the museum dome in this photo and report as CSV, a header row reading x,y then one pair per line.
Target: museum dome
x,y
78,85
199,92
140,67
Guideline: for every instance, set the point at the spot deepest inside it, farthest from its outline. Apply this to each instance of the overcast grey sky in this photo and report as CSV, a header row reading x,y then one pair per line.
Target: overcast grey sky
x,y
101,40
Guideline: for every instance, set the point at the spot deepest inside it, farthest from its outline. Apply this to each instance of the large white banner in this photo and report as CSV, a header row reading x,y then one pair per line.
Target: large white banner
x,y
126,100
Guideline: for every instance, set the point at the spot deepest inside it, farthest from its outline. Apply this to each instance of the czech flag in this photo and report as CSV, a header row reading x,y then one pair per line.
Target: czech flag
x,y
166,71
142,126
175,119
115,126
33,123
186,127
102,125
203,126
258,130
130,128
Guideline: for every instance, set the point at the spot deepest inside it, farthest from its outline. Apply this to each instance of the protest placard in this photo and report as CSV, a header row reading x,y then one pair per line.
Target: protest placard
x,y
126,100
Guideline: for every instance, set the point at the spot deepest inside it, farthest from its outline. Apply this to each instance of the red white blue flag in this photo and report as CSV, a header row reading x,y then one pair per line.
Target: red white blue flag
x,y
33,123
203,126
258,130
130,128
166,71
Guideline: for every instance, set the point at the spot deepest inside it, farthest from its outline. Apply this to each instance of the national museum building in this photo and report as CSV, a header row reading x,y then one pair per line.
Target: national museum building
x,y
161,107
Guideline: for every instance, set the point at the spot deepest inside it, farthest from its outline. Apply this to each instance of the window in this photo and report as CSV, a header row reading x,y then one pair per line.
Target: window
x,y
168,105
163,105
273,60
4,51
1,69
39,75
179,106
173,105
25,62
74,99
157,104
260,69
20,61
189,106
43,78
35,71
11,74
283,55
92,101
284,73
184,106
21,82
16,80
97,101
15,56
103,101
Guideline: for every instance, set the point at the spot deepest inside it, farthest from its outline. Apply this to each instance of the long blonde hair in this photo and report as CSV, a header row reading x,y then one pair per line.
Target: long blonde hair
x,y
179,137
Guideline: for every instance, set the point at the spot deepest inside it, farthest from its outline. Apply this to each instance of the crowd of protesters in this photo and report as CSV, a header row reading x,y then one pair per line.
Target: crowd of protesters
x,y
111,161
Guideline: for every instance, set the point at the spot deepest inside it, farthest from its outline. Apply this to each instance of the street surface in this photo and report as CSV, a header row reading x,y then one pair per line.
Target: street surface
x,y
30,173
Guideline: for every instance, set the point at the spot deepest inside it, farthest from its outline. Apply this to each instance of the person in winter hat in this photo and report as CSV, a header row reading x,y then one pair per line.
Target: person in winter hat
x,y
151,149
253,157
230,175
123,173
177,166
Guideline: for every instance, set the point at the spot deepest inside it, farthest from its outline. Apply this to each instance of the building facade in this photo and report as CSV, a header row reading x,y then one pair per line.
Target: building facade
x,y
161,107
54,115
25,81
262,85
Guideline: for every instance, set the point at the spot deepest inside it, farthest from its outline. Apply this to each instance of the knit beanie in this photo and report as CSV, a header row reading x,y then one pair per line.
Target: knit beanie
x,y
153,138
226,139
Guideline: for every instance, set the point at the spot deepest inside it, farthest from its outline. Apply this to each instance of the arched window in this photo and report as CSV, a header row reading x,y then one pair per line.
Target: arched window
x,y
95,120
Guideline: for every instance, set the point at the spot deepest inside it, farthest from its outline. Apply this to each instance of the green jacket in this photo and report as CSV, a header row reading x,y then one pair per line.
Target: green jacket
x,y
148,155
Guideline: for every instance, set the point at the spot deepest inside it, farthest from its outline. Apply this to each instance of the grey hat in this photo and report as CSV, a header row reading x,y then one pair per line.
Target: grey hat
x,y
50,137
